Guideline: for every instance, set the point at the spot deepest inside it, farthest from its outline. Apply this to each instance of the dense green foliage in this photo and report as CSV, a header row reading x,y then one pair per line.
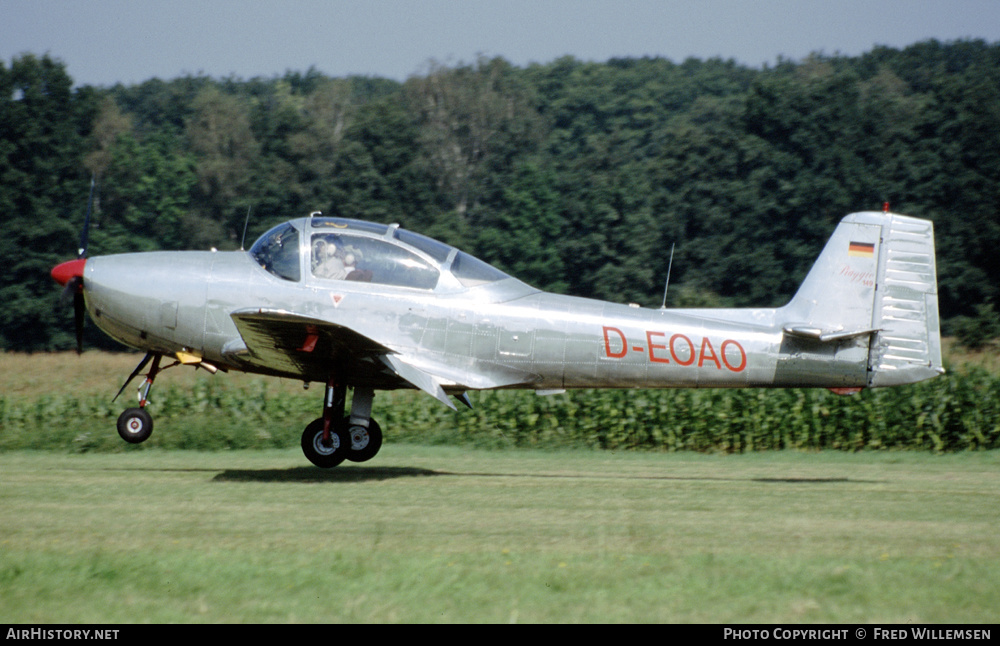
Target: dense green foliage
x,y
573,176
959,411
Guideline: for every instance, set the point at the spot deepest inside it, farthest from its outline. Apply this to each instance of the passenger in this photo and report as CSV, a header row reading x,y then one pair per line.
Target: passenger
x,y
353,273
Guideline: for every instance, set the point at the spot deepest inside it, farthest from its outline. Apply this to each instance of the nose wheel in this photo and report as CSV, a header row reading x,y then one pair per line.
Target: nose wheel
x,y
135,425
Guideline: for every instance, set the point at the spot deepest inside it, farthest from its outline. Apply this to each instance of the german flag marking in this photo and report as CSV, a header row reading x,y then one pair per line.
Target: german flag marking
x,y
861,249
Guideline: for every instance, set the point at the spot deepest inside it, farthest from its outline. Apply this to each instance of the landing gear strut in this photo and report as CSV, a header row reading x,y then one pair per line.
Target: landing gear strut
x,y
135,425
335,437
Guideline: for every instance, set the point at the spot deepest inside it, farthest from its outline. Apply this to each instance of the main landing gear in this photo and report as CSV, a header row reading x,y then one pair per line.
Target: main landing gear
x,y
335,437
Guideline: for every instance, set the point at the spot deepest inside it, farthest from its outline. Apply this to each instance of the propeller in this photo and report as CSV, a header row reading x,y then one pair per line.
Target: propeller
x,y
70,274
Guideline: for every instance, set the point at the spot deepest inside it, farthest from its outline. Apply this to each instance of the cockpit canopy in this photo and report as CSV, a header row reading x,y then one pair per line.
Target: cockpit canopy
x,y
327,249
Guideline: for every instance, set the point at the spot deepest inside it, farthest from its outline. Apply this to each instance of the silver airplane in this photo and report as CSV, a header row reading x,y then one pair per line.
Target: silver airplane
x,y
364,306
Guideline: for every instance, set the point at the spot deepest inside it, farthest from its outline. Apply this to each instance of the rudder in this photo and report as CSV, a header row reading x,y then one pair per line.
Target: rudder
x,y
907,346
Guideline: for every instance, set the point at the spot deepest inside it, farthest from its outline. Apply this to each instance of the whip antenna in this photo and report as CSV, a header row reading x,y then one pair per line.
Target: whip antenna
x,y
81,251
670,266
245,224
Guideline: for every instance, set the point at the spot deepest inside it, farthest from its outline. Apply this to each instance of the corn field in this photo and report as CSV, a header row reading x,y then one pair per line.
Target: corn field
x,y
957,412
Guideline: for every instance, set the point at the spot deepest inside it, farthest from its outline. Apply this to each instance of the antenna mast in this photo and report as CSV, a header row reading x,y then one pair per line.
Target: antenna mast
x,y
246,223
670,266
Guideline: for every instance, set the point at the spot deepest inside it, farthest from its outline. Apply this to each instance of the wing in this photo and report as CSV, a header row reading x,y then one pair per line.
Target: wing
x,y
293,345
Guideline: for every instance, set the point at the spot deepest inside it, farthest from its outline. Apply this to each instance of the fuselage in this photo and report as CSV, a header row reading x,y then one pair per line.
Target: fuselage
x,y
170,302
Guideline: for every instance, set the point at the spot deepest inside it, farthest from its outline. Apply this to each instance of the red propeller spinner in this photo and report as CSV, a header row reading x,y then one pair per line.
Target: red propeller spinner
x,y
65,272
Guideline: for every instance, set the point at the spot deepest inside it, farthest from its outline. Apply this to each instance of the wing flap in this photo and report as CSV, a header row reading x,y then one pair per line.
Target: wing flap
x,y
422,380
303,347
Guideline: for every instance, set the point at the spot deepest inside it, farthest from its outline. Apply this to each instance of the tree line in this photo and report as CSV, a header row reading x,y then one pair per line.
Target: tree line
x,y
574,176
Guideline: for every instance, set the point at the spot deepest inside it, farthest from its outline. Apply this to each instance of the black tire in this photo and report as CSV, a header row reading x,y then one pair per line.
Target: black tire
x,y
363,442
324,457
135,425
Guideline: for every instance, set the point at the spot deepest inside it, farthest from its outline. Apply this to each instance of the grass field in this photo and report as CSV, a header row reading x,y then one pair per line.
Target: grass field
x,y
445,534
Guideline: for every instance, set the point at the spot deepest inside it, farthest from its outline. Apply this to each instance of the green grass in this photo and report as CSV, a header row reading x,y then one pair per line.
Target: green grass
x,y
445,534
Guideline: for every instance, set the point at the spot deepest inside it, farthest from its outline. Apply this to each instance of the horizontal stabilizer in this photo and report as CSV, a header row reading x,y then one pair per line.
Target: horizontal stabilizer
x,y
820,334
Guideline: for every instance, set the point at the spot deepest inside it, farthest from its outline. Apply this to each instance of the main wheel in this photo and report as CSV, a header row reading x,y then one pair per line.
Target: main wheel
x,y
364,442
320,454
135,425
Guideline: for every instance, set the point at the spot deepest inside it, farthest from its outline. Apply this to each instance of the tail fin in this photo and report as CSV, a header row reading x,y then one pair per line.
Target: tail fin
x,y
876,278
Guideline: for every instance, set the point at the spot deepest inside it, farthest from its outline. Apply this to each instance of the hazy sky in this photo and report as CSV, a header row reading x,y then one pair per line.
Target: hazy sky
x,y
107,41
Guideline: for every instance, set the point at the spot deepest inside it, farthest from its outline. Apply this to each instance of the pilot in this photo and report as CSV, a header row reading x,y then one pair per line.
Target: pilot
x,y
330,265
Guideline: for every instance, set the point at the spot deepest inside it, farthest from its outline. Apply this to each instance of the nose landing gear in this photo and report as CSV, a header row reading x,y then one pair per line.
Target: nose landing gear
x,y
135,425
